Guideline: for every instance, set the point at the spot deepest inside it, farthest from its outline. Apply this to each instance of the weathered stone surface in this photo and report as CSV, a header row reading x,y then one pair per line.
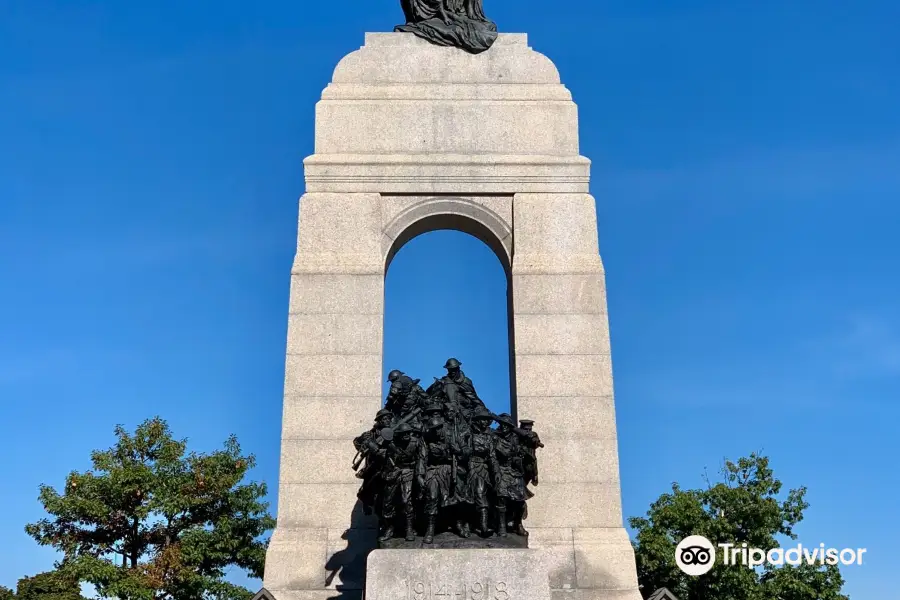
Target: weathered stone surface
x,y
557,545
403,117
317,461
575,504
578,460
487,218
347,417
346,552
562,334
451,541
391,59
446,174
587,563
312,334
310,594
421,127
542,121
564,375
592,594
295,558
604,558
329,375
339,224
400,212
336,293
559,294
570,417
493,574
548,263
556,224
316,505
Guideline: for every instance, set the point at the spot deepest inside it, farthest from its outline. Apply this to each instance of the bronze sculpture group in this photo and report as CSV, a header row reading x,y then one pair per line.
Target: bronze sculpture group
x,y
432,461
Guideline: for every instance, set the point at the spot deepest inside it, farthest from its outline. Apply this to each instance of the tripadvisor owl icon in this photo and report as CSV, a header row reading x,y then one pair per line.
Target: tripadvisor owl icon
x,y
695,555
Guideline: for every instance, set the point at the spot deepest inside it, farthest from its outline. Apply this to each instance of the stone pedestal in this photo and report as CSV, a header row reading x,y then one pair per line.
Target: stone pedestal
x,y
457,575
412,137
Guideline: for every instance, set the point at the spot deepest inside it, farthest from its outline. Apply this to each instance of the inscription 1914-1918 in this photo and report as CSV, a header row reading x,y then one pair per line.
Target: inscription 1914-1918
x,y
461,590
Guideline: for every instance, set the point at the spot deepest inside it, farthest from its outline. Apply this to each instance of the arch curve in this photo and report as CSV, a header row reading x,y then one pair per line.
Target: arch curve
x,y
456,213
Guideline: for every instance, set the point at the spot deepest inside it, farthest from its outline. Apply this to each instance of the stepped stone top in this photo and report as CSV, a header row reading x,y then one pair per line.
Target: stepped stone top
x,y
397,58
403,115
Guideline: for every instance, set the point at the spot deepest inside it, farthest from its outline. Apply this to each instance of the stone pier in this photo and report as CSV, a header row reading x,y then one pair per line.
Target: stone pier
x,y
410,138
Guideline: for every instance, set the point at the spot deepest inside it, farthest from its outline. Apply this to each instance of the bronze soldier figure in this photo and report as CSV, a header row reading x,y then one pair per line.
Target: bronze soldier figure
x,y
405,394
460,436
460,390
510,484
483,468
435,470
401,459
529,442
370,447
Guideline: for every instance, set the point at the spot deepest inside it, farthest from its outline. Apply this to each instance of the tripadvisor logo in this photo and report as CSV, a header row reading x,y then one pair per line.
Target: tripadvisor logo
x,y
695,555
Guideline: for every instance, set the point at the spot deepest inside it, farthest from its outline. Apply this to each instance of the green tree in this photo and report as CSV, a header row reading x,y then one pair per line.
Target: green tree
x,y
151,522
53,585
746,506
6,593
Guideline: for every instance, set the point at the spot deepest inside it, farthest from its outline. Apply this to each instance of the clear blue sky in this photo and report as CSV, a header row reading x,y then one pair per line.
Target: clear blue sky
x,y
747,174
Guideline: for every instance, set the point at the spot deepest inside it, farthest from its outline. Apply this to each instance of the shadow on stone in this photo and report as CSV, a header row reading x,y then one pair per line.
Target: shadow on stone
x,y
347,566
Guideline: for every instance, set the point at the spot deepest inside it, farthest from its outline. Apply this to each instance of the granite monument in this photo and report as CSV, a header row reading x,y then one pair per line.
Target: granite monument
x,y
415,134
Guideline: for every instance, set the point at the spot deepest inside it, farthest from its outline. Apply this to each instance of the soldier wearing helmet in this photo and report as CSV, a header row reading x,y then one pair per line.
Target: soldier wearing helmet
x,y
529,442
370,446
367,440
435,470
510,485
405,394
454,371
402,457
483,467
459,389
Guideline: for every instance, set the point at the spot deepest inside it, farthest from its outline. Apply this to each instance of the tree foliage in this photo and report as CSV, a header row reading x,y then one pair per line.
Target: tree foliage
x,y
53,585
150,521
746,506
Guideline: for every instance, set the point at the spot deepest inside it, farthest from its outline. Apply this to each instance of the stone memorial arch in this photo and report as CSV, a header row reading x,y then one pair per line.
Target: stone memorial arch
x,y
412,137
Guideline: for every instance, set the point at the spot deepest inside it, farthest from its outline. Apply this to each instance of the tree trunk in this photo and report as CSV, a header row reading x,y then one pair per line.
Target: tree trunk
x,y
134,547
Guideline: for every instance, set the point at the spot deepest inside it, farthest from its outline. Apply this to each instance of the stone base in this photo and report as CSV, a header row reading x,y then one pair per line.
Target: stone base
x,y
588,564
493,574
451,541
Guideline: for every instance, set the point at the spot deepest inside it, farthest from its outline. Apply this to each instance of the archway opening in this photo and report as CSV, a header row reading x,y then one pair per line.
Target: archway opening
x,y
447,294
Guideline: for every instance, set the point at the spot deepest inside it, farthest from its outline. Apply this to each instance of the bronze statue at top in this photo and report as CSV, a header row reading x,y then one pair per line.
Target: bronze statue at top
x,y
432,463
459,23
